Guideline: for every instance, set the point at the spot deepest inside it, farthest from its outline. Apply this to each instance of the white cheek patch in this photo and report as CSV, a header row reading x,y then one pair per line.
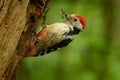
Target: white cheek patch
x,y
78,25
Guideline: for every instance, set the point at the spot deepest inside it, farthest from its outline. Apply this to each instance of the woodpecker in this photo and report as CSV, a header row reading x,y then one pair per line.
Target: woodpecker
x,y
56,35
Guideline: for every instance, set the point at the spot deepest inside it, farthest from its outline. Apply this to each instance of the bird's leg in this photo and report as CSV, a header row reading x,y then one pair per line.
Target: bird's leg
x,y
34,31
31,48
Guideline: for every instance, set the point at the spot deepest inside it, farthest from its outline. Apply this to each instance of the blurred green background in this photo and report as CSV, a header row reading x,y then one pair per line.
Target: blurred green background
x,y
93,55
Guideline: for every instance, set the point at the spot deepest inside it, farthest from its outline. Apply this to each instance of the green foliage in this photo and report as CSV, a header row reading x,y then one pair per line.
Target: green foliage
x,y
91,56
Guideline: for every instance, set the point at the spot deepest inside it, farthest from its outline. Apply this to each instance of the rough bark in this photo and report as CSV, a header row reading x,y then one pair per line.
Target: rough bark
x,y
17,17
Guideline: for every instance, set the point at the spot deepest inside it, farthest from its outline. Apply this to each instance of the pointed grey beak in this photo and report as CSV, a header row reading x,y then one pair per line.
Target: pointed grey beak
x,y
65,15
68,17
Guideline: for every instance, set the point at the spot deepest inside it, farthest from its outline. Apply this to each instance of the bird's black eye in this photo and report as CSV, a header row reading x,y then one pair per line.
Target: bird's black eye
x,y
75,19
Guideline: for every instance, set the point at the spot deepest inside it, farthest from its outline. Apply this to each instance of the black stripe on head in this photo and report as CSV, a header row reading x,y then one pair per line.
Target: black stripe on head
x,y
74,31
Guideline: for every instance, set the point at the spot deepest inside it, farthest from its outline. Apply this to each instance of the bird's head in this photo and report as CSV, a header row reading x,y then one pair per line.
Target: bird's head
x,y
76,20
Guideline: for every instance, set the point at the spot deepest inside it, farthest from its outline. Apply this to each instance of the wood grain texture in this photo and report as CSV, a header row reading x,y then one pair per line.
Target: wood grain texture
x,y
15,33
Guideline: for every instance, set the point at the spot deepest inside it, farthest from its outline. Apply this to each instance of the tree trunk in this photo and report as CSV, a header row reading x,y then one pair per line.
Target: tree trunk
x,y
17,17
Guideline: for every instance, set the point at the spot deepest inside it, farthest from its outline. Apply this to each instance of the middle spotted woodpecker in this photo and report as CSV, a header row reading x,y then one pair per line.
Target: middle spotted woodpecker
x,y
57,35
